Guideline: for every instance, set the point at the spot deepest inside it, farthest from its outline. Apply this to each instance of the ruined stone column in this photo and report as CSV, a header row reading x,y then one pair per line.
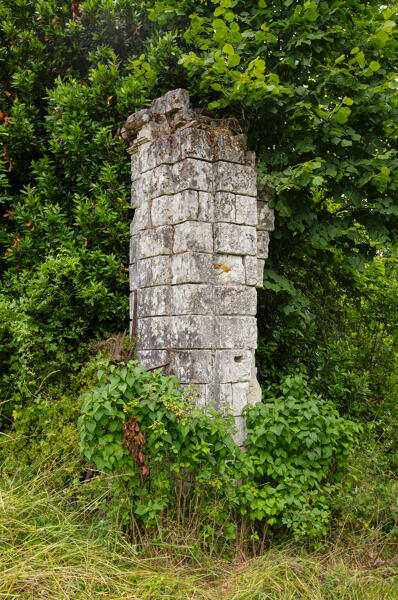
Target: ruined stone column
x,y
199,239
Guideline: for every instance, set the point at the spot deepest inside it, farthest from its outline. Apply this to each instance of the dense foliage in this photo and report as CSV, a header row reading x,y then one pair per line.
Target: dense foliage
x,y
161,449
313,84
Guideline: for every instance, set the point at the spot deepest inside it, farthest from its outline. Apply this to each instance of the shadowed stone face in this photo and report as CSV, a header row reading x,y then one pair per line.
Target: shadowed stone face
x,y
199,239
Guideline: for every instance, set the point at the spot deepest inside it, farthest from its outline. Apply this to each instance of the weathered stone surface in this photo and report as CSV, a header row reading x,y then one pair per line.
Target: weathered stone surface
x,y
171,101
153,242
192,331
153,358
235,300
251,270
191,267
154,301
265,215
142,218
235,178
174,209
133,250
239,397
254,393
196,365
233,365
206,207
135,170
219,396
159,152
191,299
137,195
133,276
194,143
236,332
262,244
227,148
154,271
193,174
158,182
224,207
193,236
246,210
235,239
260,273
198,242
154,333
228,270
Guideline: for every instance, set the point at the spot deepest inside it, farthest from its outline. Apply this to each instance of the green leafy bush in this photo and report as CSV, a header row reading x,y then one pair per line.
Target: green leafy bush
x,y
158,446
137,426
297,446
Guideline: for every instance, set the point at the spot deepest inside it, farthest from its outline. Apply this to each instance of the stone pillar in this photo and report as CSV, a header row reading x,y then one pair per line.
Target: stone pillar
x,y
199,239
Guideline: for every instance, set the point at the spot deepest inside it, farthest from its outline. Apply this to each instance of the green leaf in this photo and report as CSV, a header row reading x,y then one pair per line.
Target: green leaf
x,y
348,101
374,65
233,60
341,116
228,49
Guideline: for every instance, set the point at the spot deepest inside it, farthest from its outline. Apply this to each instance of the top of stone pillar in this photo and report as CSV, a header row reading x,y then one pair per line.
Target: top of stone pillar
x,y
169,113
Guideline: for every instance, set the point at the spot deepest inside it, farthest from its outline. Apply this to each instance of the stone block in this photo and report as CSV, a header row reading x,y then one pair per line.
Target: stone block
x,y
229,148
137,195
191,298
194,143
236,332
235,300
133,276
193,174
239,179
192,331
154,301
251,269
153,358
206,207
133,249
265,216
254,394
170,102
193,236
159,152
154,333
135,170
195,366
224,207
158,182
154,271
219,396
141,219
229,270
235,239
239,397
262,244
154,242
191,267
246,210
233,365
260,273
175,209
150,132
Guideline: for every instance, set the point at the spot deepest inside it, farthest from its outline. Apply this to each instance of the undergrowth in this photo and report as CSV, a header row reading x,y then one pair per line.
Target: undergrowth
x,y
55,545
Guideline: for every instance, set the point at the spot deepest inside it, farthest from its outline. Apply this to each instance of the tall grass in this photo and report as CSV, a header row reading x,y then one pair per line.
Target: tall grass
x,y
52,548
